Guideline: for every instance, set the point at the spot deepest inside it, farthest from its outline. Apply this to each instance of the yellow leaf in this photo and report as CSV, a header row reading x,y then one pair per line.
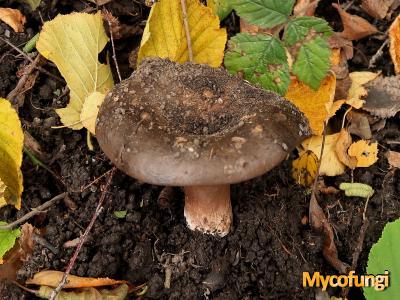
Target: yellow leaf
x,y
304,169
330,163
73,42
335,107
316,105
13,18
365,152
164,35
90,110
342,144
357,91
11,145
394,38
2,191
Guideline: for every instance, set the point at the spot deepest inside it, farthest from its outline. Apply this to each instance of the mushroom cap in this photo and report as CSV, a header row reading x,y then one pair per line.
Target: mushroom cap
x,y
189,124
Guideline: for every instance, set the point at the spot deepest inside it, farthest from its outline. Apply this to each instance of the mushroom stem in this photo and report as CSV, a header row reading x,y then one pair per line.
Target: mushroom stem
x,y
208,208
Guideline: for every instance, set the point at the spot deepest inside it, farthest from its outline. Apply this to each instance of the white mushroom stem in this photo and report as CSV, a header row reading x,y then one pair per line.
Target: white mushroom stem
x,y
208,208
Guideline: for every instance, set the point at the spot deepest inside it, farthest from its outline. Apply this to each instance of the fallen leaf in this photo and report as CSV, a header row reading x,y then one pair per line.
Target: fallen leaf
x,y
19,253
90,109
343,143
359,124
118,293
13,18
304,168
376,8
73,42
33,3
337,41
394,39
320,223
357,90
365,152
336,105
305,7
120,214
11,146
330,163
354,27
383,98
393,158
316,105
164,35
52,279
7,240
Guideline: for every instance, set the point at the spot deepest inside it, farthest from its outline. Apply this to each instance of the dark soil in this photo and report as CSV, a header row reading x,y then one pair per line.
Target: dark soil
x,y
264,255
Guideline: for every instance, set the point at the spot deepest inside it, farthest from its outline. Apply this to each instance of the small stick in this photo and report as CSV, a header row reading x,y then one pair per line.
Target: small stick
x,y
377,55
35,211
31,60
187,30
83,238
114,56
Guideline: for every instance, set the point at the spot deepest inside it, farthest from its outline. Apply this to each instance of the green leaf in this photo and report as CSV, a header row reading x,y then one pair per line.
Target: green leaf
x,y
222,8
385,255
264,13
260,59
298,29
120,214
7,239
312,62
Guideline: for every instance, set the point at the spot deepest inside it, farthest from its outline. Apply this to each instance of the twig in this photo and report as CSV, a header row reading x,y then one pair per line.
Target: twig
x,y
114,56
37,210
83,238
187,30
377,55
31,60
359,245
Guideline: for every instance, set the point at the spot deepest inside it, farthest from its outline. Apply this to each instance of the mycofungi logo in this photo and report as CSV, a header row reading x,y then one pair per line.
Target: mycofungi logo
x,y
379,282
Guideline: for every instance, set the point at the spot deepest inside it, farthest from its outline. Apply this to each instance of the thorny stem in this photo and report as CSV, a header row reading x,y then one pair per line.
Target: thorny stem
x,y
187,30
35,211
83,238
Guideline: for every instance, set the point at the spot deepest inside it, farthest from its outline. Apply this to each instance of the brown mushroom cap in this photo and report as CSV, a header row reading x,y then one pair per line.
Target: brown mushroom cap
x,y
188,124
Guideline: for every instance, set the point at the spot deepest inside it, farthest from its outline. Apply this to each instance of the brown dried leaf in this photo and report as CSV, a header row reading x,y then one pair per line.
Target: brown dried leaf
x,y
359,124
376,8
52,279
355,27
343,143
394,38
305,8
393,158
320,223
118,293
13,18
383,98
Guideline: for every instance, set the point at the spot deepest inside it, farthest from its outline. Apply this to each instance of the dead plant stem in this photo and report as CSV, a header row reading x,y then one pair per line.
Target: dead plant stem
x,y
83,238
187,29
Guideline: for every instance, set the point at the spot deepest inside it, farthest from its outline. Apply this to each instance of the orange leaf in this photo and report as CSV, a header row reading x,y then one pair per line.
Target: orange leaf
x,y
52,278
342,144
316,105
365,152
13,18
354,27
394,37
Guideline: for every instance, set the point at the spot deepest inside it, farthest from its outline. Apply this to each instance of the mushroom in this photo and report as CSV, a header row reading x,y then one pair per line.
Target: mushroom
x,y
197,127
